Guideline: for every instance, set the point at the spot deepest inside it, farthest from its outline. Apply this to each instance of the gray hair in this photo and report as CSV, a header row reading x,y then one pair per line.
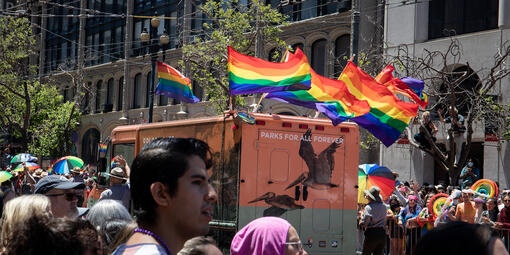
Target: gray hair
x,y
106,210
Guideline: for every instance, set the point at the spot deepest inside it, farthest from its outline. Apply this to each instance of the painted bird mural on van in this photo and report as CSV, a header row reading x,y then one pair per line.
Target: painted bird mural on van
x,y
320,167
279,204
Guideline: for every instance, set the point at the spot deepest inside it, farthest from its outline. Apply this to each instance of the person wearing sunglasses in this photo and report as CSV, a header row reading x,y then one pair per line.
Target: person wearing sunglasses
x,y
267,235
504,214
63,195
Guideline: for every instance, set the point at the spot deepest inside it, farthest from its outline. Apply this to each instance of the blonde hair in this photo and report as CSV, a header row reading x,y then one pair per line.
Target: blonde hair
x,y
425,114
17,211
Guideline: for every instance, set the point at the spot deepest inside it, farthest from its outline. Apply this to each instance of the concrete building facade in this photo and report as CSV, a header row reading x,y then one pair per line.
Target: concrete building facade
x,y
482,29
104,36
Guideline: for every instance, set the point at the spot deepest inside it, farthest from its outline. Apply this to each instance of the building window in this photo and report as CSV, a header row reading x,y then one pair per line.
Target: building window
x,y
456,17
99,95
137,95
121,94
148,87
108,107
86,99
342,53
298,45
319,56
163,100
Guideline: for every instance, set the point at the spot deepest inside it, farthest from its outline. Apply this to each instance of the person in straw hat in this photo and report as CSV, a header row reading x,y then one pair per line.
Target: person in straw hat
x,y
374,220
119,189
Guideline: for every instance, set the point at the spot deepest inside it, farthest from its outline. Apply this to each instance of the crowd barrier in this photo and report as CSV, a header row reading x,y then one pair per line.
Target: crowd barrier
x,y
400,240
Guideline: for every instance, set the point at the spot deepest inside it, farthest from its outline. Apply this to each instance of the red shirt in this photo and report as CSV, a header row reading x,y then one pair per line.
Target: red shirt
x,y
504,217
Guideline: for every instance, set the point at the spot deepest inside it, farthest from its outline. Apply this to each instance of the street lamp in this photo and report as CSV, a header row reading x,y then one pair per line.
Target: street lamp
x,y
154,46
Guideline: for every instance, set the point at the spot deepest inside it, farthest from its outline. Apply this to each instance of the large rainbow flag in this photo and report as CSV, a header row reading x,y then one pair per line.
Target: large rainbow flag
x,y
253,75
325,93
174,84
388,116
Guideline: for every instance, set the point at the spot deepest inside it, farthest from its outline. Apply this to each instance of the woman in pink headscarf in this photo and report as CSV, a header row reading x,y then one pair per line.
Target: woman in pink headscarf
x,y
267,236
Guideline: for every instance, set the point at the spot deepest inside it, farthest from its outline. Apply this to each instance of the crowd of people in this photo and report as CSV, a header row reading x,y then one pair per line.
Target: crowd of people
x,y
162,204
396,225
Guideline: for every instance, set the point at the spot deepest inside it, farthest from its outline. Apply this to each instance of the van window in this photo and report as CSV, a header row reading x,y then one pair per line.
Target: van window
x,y
127,150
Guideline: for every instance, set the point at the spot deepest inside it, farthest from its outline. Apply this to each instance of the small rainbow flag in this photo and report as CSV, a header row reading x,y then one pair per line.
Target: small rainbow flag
x,y
249,75
174,84
408,87
103,147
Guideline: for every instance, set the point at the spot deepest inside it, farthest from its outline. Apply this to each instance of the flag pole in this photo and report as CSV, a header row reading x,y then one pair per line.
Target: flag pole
x,y
256,108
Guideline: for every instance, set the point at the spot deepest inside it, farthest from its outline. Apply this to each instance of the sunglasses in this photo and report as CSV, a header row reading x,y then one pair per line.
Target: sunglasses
x,y
68,196
297,245
506,200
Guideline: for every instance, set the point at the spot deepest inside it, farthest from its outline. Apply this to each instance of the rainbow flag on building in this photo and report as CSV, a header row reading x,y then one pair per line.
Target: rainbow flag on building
x,y
328,96
103,147
388,116
249,75
173,84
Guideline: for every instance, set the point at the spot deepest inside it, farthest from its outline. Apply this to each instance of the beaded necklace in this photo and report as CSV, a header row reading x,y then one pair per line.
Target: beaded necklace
x,y
150,233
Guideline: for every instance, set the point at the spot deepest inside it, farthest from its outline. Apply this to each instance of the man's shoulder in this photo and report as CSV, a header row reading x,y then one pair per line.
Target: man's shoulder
x,y
140,249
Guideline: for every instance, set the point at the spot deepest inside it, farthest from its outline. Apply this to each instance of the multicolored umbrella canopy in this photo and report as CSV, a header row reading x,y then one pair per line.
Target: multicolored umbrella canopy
x,y
4,176
374,175
65,164
23,157
30,165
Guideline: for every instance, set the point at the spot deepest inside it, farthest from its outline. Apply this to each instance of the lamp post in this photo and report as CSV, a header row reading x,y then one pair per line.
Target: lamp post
x,y
154,46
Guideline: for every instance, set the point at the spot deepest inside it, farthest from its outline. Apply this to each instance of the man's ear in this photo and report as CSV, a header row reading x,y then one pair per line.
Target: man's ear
x,y
160,194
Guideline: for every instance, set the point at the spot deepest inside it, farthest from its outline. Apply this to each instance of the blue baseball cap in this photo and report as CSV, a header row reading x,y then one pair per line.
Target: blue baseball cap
x,y
56,182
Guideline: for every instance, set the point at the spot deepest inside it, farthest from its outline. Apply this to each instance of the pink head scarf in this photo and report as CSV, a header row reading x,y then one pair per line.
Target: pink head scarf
x,y
262,236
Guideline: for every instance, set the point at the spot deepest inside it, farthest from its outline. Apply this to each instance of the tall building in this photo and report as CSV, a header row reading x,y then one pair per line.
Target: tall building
x,y
102,38
482,30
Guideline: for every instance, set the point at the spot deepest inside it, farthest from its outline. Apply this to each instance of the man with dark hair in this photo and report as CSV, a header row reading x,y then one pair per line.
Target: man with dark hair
x,y
200,245
172,197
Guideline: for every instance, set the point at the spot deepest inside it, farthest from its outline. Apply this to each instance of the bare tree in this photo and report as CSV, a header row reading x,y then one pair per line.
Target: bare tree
x,y
453,83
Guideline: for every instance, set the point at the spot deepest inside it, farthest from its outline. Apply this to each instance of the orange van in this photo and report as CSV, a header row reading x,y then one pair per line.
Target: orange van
x,y
301,169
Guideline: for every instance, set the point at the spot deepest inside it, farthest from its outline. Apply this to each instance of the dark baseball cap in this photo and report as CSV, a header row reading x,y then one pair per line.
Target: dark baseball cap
x,y
56,182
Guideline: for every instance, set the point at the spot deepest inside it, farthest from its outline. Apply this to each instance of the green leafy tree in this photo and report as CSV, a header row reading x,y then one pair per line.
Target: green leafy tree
x,y
33,113
228,24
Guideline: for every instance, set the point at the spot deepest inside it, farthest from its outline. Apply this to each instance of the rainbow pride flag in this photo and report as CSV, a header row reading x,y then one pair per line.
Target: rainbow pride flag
x,y
103,147
328,96
388,116
175,85
253,75
408,87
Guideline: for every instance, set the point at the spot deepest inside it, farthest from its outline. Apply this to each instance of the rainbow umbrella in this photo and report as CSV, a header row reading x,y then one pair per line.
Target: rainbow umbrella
x,y
65,164
4,176
113,163
374,175
30,165
23,157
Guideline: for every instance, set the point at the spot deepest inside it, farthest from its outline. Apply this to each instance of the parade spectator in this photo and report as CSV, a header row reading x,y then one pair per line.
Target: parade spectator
x,y
200,245
493,211
95,193
7,193
267,235
504,214
479,209
6,158
396,232
76,175
469,175
119,189
408,218
460,238
466,210
63,195
440,189
106,210
374,221
116,232
458,128
17,212
172,197
431,129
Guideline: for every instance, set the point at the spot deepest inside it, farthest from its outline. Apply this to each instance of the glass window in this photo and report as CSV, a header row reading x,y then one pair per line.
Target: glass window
x,y
161,27
309,9
121,94
138,30
99,97
148,89
73,54
109,92
95,49
137,95
319,56
127,150
64,53
107,40
173,30
342,53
